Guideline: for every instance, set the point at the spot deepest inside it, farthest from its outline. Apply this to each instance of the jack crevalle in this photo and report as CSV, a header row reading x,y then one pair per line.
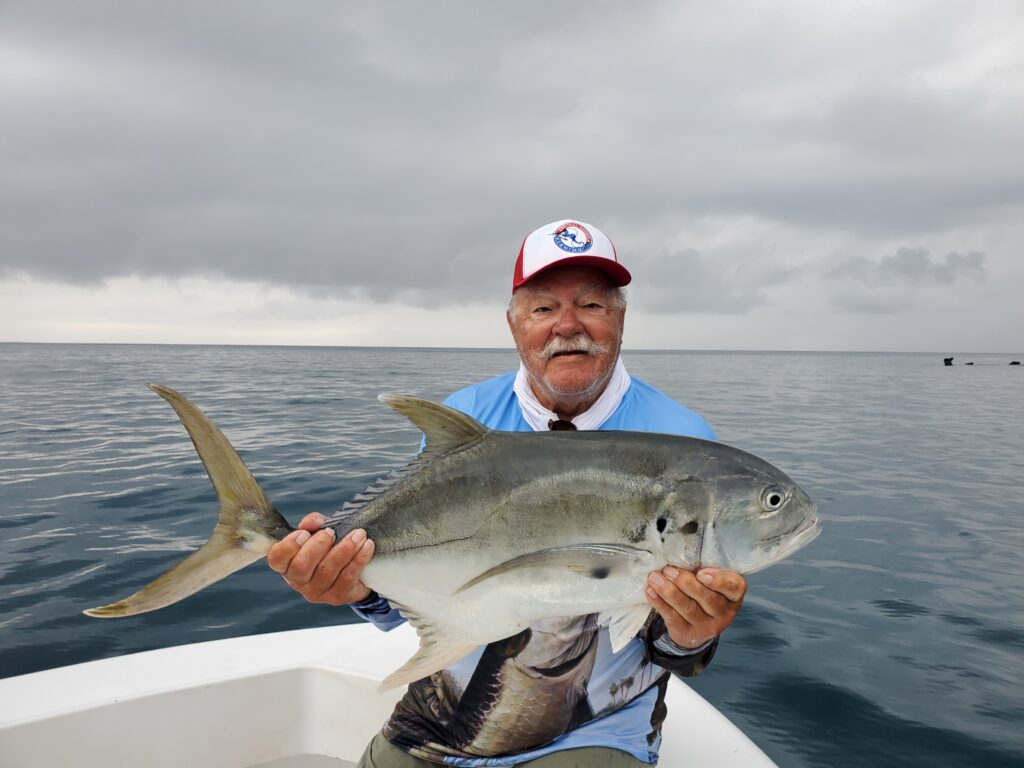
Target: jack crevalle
x,y
487,532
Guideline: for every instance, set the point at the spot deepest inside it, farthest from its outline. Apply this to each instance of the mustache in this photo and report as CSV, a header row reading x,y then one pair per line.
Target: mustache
x,y
577,343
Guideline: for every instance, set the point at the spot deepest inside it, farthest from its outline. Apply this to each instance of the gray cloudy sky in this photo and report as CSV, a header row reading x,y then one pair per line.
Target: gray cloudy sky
x,y
776,175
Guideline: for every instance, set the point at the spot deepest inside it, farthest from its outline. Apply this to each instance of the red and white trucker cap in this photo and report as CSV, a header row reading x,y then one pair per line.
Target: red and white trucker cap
x,y
567,243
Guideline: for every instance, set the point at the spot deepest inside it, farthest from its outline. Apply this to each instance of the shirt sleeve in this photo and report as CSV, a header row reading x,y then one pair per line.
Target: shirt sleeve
x,y
378,611
666,654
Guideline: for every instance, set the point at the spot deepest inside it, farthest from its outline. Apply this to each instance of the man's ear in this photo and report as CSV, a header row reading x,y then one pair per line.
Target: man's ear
x,y
510,314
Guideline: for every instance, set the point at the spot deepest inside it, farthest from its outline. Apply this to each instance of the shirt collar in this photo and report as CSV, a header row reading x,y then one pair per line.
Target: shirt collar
x,y
537,416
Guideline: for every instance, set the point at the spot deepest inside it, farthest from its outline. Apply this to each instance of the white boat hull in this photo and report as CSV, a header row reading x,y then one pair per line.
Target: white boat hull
x,y
301,699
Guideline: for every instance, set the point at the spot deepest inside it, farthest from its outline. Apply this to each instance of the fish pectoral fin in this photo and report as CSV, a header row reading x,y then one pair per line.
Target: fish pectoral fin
x,y
624,623
597,561
438,649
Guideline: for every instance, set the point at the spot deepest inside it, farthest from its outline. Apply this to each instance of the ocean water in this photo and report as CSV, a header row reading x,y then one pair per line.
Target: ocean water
x,y
895,639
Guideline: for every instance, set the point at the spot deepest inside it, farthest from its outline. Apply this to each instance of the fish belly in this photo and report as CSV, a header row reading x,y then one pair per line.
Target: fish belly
x,y
498,607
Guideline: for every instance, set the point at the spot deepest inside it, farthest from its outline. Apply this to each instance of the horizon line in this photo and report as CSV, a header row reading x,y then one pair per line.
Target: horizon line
x,y
626,351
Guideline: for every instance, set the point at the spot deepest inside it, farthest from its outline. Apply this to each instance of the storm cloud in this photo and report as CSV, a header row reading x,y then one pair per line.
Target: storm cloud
x,y
913,265
687,282
396,154
898,282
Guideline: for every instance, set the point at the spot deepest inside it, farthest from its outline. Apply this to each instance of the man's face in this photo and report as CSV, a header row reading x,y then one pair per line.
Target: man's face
x,y
567,325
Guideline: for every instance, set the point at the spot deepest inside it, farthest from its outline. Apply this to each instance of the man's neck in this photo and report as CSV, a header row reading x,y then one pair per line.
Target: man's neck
x,y
567,407
587,410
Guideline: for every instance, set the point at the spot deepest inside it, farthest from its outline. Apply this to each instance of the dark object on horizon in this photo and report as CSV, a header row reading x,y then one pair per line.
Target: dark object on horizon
x,y
947,360
1015,362
969,363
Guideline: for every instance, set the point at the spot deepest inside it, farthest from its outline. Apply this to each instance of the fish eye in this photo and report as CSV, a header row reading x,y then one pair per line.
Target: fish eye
x,y
772,499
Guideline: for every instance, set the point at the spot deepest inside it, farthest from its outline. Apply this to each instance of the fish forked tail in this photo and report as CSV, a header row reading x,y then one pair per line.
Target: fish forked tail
x,y
246,528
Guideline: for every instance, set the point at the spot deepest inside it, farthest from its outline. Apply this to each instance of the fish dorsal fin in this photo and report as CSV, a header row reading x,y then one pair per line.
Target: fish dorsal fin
x,y
446,429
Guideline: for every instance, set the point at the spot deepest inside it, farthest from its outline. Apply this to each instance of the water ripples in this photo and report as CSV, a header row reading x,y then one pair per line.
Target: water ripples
x,y
895,639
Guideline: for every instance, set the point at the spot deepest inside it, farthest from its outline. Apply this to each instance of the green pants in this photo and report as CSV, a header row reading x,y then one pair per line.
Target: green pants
x,y
380,753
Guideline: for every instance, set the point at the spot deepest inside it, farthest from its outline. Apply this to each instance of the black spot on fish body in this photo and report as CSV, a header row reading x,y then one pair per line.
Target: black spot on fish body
x,y
601,573
637,533
662,522
690,527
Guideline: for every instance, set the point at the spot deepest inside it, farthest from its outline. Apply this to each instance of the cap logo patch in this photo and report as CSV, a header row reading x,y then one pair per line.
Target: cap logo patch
x,y
573,238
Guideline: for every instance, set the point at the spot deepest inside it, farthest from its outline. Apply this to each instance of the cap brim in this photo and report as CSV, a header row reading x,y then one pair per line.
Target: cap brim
x,y
618,273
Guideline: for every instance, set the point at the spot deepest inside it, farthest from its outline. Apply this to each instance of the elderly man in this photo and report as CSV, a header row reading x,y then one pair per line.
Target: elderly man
x,y
554,695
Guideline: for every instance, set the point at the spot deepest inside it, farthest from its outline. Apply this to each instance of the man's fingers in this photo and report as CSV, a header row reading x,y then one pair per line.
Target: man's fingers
x,y
353,572
280,555
730,584
679,628
312,522
329,569
319,569
703,588
696,606
347,587
666,611
303,565
680,603
712,603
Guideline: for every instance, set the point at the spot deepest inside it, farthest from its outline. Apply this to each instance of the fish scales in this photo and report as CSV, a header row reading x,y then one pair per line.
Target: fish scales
x,y
473,497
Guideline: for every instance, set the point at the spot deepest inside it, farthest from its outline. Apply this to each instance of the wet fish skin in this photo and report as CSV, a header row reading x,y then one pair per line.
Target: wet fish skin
x,y
487,532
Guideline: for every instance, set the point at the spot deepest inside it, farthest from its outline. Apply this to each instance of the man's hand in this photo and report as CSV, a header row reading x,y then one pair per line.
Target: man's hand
x,y
696,607
319,570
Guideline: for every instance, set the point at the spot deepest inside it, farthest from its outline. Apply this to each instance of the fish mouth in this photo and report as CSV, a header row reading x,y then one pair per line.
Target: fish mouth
x,y
785,544
811,521
800,534
807,531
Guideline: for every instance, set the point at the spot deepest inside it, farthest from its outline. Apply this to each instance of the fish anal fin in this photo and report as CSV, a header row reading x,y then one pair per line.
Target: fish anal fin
x,y
624,623
439,647
425,662
596,561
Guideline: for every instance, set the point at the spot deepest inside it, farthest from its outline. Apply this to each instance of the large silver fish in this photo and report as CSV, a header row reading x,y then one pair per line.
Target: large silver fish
x,y
487,532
